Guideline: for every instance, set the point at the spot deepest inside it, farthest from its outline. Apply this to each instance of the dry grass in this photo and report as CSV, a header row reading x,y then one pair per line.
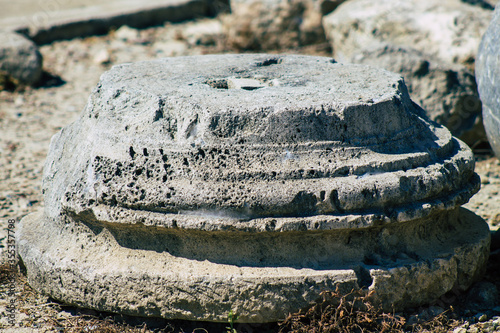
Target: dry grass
x,y
354,312
342,313
7,273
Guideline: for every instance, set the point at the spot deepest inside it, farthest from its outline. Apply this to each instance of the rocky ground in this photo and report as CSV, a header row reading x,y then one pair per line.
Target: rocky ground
x,y
29,117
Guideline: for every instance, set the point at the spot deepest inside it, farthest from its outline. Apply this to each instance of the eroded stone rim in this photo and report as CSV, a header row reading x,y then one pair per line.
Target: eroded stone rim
x,y
103,268
410,165
362,215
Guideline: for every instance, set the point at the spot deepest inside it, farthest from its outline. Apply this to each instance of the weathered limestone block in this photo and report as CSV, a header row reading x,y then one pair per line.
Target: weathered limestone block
x,y
20,61
447,92
488,80
194,186
446,33
450,30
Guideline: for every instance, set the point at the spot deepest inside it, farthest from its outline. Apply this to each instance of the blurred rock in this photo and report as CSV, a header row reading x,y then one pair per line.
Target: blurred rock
x,y
204,32
447,29
488,79
276,24
126,34
482,296
170,48
446,91
20,61
102,57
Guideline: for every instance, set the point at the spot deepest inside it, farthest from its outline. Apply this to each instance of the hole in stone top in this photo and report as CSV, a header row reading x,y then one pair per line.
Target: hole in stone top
x,y
268,62
132,152
237,83
217,83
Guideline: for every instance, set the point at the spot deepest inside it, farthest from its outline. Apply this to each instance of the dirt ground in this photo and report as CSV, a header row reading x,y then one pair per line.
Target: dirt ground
x,y
30,117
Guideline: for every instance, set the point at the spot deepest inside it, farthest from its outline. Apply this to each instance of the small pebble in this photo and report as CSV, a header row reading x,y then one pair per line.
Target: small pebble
x,y
489,326
102,57
482,317
19,101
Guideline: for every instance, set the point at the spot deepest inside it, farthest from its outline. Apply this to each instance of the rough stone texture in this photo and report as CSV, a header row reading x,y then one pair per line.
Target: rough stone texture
x,y
92,266
432,43
276,24
447,29
20,61
194,186
488,79
446,91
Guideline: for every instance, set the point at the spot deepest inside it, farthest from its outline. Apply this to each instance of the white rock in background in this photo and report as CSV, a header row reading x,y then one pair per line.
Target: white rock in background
x,y
171,48
203,32
20,60
126,34
442,36
446,91
102,57
488,80
447,29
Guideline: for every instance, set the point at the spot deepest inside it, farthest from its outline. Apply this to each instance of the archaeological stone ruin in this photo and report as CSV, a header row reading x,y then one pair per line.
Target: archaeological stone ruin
x,y
194,186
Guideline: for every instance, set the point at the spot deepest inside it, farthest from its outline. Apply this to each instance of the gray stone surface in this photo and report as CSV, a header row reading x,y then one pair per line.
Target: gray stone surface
x,y
20,60
46,21
193,186
488,79
447,29
441,34
446,91
261,280
276,24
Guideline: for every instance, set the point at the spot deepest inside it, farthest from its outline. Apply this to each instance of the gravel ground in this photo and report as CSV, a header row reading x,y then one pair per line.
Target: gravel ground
x,y
29,118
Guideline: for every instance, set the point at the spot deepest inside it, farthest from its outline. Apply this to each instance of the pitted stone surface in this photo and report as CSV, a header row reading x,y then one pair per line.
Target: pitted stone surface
x,y
488,79
302,137
447,92
251,183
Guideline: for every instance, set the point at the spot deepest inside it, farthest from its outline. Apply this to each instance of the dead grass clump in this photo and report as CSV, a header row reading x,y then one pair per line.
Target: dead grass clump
x,y
352,312
7,273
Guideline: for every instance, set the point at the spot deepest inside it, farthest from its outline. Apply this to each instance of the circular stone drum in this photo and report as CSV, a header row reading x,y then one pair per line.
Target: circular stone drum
x,y
194,186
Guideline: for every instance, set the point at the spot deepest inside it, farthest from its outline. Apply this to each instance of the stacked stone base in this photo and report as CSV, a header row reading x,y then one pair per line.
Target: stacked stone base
x,y
177,273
